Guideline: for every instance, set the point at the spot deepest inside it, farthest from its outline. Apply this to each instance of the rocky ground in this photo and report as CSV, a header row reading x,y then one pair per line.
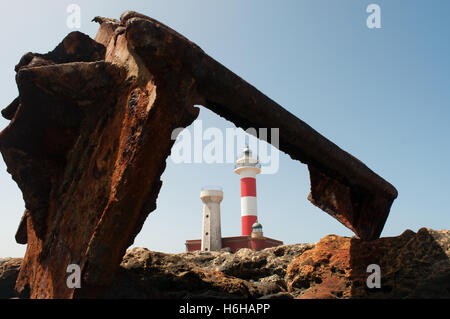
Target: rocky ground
x,y
413,265
9,269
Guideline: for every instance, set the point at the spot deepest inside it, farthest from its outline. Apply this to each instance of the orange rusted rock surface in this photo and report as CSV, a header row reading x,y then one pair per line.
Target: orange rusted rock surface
x,y
413,265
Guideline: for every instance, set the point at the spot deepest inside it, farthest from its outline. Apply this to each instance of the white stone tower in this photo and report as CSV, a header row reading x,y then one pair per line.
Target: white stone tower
x,y
211,228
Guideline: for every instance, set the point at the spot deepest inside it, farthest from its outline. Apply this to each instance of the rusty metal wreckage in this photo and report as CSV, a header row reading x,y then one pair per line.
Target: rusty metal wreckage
x,y
91,130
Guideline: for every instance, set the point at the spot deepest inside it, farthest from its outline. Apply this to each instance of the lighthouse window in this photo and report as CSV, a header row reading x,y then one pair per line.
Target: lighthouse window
x,y
206,233
207,216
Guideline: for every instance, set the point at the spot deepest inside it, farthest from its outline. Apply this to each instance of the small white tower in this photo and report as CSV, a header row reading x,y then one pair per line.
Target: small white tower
x,y
257,230
211,228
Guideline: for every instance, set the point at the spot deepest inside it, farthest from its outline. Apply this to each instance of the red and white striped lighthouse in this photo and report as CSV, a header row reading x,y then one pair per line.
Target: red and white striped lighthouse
x,y
247,168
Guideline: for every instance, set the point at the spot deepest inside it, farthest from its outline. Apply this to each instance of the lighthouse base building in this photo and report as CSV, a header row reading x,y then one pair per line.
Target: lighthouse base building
x,y
238,242
212,239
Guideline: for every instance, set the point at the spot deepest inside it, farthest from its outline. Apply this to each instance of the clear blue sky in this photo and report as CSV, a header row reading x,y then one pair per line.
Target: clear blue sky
x,y
381,94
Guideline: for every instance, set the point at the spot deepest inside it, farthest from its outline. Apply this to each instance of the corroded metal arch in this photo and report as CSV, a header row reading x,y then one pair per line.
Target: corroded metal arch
x,y
91,131
340,184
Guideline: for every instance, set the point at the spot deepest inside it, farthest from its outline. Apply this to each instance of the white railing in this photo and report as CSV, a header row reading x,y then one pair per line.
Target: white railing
x,y
212,188
256,165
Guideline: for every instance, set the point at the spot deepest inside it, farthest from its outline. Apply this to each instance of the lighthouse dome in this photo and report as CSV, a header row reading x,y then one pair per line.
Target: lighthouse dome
x,y
257,228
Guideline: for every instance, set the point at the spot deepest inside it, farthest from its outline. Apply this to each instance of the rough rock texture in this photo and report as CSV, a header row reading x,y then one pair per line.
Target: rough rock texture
x,y
9,269
413,265
92,128
245,274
